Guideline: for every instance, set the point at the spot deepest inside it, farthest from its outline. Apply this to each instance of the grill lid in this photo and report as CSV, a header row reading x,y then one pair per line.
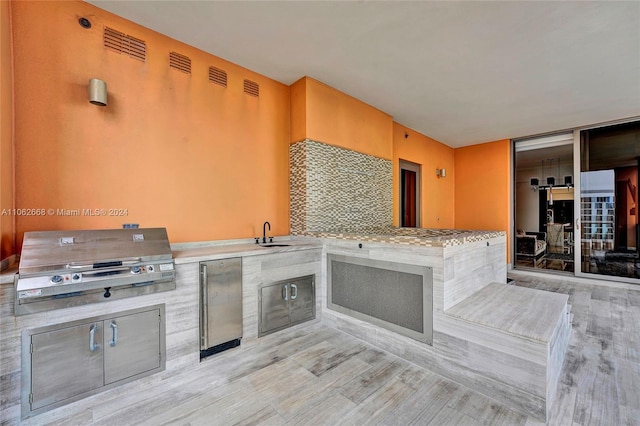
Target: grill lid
x,y
44,251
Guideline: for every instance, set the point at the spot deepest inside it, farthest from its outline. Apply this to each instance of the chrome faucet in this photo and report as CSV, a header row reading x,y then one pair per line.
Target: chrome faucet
x,y
264,232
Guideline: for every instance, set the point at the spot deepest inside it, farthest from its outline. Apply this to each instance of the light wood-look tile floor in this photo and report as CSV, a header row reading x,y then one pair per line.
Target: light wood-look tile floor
x,y
311,375
314,375
600,382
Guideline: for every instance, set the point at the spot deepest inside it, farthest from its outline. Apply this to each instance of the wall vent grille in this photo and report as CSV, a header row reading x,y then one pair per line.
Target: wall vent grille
x,y
251,88
125,44
218,76
180,62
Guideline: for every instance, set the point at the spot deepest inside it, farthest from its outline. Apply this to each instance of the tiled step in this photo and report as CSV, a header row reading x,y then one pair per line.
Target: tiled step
x,y
531,326
515,310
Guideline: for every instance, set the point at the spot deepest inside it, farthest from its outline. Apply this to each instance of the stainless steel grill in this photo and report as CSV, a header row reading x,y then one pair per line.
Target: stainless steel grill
x,y
59,269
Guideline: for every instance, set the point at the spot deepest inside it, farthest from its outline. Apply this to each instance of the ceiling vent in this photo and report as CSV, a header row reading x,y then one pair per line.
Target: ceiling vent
x,y
180,62
125,44
218,76
251,88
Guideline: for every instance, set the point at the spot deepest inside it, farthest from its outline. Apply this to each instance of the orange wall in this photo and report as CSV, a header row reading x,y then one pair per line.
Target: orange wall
x,y
7,229
174,150
482,194
338,119
436,193
299,110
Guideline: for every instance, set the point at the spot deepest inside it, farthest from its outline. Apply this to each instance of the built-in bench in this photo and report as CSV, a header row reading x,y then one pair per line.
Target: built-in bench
x,y
504,341
526,332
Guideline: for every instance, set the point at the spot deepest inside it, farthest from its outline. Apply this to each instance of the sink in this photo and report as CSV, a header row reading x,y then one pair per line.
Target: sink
x,y
274,245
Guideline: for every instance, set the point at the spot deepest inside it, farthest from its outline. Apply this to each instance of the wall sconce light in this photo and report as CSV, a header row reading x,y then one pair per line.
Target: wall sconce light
x,y
98,92
441,173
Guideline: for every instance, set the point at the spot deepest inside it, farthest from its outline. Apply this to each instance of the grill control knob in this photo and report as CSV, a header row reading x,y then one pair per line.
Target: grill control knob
x,y
135,269
75,277
56,279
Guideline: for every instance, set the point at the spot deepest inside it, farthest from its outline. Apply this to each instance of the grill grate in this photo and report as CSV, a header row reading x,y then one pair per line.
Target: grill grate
x,y
125,44
218,76
251,88
180,62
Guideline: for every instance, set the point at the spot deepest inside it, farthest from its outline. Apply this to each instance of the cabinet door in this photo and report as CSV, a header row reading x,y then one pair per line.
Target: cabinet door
x,y
65,363
131,345
302,300
274,308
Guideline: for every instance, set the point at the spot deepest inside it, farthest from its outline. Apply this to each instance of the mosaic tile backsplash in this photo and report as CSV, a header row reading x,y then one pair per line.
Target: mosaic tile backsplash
x,y
334,189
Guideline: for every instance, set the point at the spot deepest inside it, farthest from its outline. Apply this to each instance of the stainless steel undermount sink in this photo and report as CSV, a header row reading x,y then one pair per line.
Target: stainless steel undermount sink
x,y
274,245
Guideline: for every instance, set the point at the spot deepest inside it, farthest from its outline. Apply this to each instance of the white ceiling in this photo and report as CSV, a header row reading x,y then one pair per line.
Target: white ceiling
x,y
460,72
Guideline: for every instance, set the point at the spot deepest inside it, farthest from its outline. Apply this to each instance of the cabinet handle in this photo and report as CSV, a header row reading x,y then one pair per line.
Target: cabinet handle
x,y
114,338
284,292
294,296
204,317
131,261
92,338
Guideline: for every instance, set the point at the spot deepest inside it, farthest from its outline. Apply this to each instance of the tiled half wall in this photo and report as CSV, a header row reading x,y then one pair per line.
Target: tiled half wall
x,y
339,190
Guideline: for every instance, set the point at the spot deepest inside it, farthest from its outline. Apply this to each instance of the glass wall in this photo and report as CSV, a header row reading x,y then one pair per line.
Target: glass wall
x,y
609,165
600,191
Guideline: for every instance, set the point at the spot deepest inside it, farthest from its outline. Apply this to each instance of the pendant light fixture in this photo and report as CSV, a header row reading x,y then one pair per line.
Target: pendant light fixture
x,y
551,180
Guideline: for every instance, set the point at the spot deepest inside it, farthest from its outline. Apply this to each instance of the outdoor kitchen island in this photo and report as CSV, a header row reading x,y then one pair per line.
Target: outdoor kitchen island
x,y
504,341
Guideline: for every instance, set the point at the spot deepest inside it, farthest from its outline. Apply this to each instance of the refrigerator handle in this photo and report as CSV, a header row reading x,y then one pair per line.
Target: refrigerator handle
x,y
204,317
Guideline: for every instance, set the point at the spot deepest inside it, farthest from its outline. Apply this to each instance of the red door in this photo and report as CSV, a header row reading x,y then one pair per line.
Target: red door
x,y
408,213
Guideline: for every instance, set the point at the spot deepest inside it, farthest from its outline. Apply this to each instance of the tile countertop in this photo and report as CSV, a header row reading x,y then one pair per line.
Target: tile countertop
x,y
211,250
413,236
196,252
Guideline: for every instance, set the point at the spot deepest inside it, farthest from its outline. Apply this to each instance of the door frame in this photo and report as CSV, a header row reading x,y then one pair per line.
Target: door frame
x,y
577,161
416,168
